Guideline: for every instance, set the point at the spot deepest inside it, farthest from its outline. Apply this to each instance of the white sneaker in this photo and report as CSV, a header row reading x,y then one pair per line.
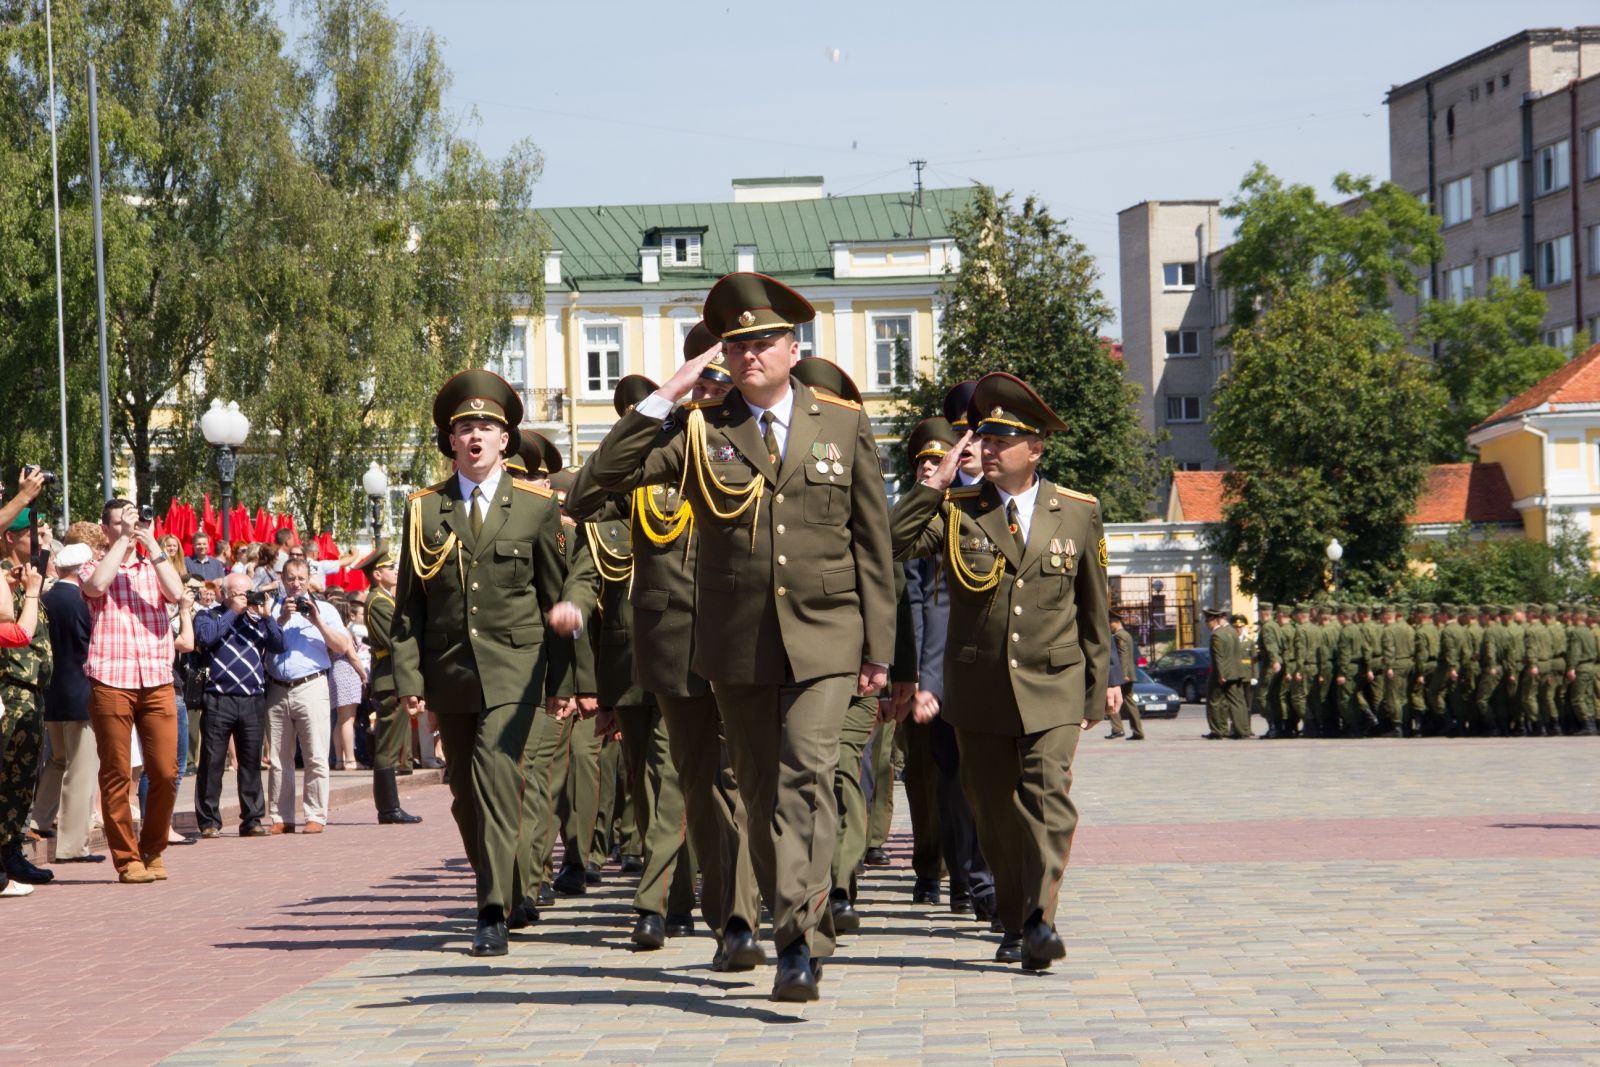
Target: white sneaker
x,y
15,888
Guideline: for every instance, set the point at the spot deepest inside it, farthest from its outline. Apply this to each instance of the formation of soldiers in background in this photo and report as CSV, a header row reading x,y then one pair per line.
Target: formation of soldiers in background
x,y
1420,670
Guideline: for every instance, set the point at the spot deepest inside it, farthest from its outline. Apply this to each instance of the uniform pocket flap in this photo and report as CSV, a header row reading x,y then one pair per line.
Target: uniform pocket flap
x,y
1065,655
840,580
652,599
826,477
522,636
721,581
510,549
967,654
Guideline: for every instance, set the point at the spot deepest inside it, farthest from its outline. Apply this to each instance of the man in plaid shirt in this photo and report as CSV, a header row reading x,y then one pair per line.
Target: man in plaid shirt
x,y
130,685
234,636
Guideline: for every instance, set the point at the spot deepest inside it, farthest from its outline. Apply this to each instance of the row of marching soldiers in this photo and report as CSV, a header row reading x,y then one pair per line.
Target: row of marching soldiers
x,y
717,589
1419,670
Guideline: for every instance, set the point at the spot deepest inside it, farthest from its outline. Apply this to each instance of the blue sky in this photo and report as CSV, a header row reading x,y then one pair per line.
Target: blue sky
x,y
1093,107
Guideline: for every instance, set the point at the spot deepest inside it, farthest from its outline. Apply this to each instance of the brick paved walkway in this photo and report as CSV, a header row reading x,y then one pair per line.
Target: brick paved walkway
x,y
1248,902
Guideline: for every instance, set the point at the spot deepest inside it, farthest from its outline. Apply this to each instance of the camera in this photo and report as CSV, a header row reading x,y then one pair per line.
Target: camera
x,y
302,604
147,513
255,598
48,476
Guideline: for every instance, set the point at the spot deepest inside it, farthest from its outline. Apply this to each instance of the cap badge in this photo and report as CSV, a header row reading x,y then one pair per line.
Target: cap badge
x,y
747,318
997,411
476,403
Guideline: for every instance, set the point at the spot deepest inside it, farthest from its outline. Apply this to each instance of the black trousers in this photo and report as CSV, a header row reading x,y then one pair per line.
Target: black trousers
x,y
969,871
238,718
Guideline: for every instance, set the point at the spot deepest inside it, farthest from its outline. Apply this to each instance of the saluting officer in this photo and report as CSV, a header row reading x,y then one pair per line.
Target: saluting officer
x,y
795,603
1028,652
480,566
391,737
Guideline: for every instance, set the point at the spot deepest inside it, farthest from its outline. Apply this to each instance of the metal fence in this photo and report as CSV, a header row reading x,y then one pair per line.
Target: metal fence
x,y
1158,607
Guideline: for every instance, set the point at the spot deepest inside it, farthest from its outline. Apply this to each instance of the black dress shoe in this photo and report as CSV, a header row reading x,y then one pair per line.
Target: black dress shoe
x,y
961,905
925,891
397,817
876,857
845,919
571,882
87,857
523,915
1211,737
650,932
1136,737
796,981
547,896
680,925
591,875
1010,950
740,950
632,865
983,907
20,868
1116,734
490,938
1040,945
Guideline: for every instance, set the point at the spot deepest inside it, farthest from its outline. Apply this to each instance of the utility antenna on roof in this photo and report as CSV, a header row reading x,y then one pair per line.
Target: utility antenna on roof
x,y
916,196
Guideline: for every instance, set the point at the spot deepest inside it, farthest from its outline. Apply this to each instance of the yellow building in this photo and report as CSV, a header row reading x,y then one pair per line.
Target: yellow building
x,y
624,285
1547,440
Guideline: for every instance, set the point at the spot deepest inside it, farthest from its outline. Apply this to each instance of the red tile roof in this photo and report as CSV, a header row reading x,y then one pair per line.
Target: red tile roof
x,y
1454,492
1576,383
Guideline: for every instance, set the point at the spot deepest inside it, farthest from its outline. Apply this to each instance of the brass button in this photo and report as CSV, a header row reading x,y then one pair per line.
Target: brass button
x,y
1017,610
780,527
1019,583
475,634
475,611
782,560
778,499
1014,637
474,563
474,585
1013,664
781,590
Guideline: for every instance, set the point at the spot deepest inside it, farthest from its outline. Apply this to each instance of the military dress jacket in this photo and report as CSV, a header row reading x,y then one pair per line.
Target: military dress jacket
x,y
800,585
1125,651
1033,652
612,554
380,638
1224,646
477,624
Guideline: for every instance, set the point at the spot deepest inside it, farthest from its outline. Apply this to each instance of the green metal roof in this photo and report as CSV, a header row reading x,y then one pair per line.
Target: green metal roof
x,y
600,245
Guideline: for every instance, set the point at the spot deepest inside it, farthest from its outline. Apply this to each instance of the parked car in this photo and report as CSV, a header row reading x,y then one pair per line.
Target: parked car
x,y
1154,698
1184,670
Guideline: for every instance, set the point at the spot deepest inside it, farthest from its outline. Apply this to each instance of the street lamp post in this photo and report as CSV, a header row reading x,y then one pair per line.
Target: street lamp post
x,y
376,484
225,429
1335,553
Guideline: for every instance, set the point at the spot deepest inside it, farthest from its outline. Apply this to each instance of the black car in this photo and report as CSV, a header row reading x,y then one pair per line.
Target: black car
x,y
1185,670
1154,698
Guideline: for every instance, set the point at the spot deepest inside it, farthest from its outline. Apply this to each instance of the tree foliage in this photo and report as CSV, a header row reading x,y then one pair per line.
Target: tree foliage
x,y
1462,570
1488,350
1326,421
1288,238
1025,299
303,232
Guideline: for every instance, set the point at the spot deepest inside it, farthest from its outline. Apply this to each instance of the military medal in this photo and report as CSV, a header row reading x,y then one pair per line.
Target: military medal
x,y
822,464
833,454
1055,552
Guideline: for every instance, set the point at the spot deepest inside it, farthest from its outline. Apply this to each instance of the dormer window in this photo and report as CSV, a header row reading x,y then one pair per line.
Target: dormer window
x,y
680,250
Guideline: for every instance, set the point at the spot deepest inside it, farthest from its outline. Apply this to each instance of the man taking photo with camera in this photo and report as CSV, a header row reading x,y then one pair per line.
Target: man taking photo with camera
x,y
298,706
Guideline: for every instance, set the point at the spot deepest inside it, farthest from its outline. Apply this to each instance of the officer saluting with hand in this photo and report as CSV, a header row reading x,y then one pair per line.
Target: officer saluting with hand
x,y
1028,651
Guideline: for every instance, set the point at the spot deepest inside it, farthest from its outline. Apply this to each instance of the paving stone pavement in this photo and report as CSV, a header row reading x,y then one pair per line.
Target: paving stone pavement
x,y
1380,902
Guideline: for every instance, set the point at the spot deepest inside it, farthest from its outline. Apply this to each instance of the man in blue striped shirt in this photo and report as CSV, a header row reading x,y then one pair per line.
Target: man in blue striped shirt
x,y
232,639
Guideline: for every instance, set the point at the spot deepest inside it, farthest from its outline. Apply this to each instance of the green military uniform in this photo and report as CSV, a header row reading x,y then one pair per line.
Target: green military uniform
x,y
1583,661
24,674
585,795
476,580
1349,666
1552,672
1270,672
1324,710
1466,690
1307,648
391,735
1127,655
795,574
1420,719
1027,655
1223,683
1240,709
1443,711
1495,657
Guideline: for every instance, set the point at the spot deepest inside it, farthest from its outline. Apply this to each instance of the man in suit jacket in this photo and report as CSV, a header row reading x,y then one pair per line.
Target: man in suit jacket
x,y
794,593
480,566
1028,652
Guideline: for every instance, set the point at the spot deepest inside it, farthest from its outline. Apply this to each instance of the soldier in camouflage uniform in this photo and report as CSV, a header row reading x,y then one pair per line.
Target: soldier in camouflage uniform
x,y
24,673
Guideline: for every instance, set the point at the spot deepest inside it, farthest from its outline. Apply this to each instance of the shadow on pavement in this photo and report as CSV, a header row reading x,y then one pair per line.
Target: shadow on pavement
x,y
684,1002
1546,826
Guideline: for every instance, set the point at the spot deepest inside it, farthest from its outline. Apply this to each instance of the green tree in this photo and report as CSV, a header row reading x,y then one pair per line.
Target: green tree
x,y
1325,419
1288,237
1488,350
1462,569
1026,300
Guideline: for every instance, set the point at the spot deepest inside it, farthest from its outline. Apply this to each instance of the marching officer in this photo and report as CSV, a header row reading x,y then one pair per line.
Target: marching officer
x,y
391,741
1029,647
480,567
795,572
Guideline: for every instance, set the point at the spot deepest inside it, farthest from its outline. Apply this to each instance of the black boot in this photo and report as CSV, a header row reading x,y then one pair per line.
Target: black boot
x,y
19,868
386,795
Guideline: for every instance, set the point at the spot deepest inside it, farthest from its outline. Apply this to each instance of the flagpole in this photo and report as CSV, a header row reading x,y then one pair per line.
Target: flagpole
x,y
61,324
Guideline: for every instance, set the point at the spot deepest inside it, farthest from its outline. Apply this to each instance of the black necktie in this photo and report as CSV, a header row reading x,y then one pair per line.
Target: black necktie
x,y
477,516
1016,527
768,437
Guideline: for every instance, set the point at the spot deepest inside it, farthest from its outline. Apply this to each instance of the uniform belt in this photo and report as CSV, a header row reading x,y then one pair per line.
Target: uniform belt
x,y
298,682
380,653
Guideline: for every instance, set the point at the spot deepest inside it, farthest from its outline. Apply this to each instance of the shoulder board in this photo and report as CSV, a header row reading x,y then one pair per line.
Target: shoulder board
x,y
431,489
700,405
963,492
379,594
839,401
567,520
529,487
1073,494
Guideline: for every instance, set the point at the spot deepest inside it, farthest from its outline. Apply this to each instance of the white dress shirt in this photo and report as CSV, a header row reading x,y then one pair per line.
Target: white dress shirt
x,y
1025,501
486,487
782,411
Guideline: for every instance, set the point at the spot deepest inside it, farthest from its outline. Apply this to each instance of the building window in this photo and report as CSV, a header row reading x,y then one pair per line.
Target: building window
x,y
1503,181
1177,275
1507,266
1594,328
1183,342
1457,202
680,250
1554,261
891,348
1552,167
806,335
512,363
1183,409
1591,153
1458,284
1591,248
1424,289
1560,337
602,354
1189,465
